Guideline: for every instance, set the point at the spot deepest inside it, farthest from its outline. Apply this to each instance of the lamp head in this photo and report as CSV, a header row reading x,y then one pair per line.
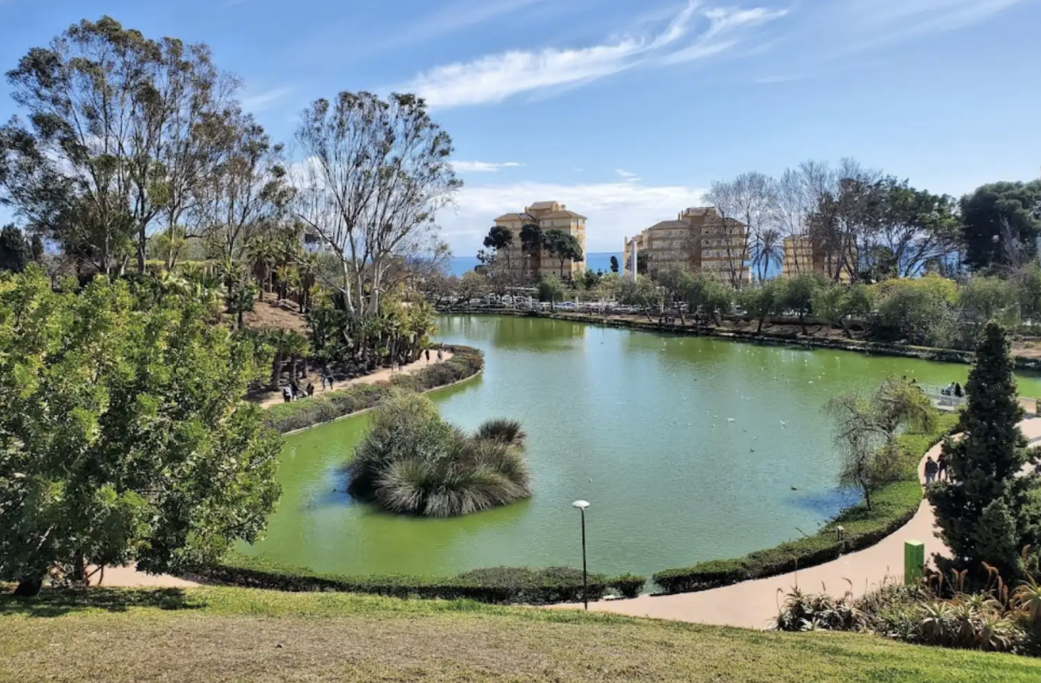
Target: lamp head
x,y
580,504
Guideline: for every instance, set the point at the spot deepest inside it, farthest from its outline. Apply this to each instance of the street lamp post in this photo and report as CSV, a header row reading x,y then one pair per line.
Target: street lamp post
x,y
581,505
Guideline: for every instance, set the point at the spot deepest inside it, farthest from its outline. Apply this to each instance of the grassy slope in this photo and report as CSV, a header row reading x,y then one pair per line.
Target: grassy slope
x,y
229,634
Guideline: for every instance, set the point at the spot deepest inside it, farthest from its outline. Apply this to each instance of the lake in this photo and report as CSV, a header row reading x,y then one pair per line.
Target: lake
x,y
677,442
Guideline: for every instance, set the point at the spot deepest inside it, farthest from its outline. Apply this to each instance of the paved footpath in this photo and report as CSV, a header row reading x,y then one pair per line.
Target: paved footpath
x,y
754,604
272,398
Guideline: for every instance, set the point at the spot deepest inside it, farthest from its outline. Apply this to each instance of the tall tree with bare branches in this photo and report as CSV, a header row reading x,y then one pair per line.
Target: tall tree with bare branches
x,y
375,173
118,127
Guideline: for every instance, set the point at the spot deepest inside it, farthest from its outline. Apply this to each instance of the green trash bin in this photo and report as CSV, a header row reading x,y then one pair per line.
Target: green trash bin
x,y
914,561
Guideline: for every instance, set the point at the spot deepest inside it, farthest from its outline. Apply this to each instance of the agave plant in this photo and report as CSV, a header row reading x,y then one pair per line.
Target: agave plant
x,y
997,633
936,621
1027,598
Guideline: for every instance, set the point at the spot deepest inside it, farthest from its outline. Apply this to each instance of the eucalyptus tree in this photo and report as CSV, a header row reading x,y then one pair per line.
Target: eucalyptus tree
x,y
117,137
374,175
246,192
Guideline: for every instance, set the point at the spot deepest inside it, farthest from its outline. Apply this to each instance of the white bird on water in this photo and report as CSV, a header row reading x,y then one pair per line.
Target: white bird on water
x,y
730,419
783,423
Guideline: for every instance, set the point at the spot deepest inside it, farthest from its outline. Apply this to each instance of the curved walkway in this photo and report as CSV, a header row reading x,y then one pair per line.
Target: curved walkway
x,y
275,397
754,604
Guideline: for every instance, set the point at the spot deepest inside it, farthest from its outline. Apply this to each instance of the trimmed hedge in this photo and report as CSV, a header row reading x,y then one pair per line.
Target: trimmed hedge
x,y
498,586
287,417
894,505
628,585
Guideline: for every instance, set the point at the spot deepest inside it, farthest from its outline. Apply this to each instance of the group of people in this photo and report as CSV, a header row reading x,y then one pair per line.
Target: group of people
x,y
294,392
953,389
936,470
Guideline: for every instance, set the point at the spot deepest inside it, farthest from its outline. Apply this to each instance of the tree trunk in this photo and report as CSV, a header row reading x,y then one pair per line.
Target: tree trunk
x,y
306,368
867,494
29,587
759,327
240,314
79,570
142,240
276,368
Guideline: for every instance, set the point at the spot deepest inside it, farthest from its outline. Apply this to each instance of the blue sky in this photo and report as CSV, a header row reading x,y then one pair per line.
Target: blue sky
x,y
626,110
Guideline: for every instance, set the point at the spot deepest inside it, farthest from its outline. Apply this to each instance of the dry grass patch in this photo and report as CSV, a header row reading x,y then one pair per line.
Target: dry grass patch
x,y
223,634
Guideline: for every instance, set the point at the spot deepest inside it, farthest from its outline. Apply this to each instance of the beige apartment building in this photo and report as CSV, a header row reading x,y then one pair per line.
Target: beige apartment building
x,y
802,257
548,216
698,240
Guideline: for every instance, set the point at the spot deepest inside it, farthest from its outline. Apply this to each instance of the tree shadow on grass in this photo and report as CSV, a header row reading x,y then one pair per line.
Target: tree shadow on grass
x,y
58,602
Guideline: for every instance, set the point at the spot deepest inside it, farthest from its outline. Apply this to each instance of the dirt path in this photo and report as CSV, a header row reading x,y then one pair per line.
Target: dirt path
x,y
275,397
753,604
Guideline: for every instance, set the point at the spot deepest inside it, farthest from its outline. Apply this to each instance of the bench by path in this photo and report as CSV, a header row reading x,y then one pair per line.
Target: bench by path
x,y
754,604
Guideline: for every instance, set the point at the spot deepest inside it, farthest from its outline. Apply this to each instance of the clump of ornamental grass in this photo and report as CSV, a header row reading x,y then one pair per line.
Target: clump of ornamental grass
x,y
413,462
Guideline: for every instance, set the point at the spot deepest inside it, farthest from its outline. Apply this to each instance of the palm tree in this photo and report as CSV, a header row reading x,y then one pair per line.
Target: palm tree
x,y
767,250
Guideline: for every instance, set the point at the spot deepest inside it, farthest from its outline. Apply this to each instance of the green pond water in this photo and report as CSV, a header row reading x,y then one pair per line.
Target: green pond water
x,y
634,422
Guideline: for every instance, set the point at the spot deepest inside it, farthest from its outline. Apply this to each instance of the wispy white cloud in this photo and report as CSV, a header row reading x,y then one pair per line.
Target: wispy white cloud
x,y
453,17
495,77
263,100
614,210
725,25
629,176
483,166
875,23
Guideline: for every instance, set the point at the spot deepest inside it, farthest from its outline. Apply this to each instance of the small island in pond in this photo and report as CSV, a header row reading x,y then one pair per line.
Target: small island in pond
x,y
413,462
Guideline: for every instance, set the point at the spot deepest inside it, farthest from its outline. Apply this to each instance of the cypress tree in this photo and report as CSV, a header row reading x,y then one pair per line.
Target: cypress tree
x,y
984,512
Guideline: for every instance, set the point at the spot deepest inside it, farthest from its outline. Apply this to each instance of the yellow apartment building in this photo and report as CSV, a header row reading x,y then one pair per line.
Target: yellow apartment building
x,y
548,216
699,239
802,257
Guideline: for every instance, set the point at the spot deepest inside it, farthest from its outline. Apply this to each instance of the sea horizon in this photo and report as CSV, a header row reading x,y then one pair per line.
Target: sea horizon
x,y
595,261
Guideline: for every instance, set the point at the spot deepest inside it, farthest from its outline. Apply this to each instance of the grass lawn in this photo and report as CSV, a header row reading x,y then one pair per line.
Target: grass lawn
x,y
233,634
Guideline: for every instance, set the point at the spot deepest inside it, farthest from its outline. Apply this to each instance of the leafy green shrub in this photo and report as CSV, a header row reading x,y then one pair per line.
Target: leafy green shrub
x,y
413,462
894,505
628,585
287,417
499,585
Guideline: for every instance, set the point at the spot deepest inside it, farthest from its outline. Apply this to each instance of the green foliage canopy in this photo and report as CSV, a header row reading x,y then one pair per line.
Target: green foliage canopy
x,y
124,437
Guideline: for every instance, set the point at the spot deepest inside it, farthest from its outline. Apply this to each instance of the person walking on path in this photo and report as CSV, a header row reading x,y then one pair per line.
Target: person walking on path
x,y
322,378
329,379
941,467
310,389
428,355
440,356
930,470
287,394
